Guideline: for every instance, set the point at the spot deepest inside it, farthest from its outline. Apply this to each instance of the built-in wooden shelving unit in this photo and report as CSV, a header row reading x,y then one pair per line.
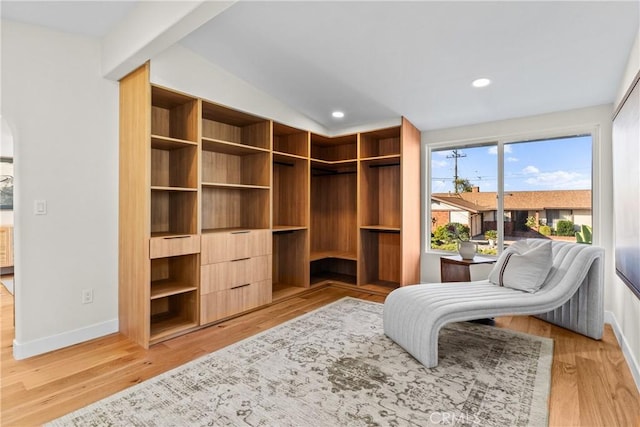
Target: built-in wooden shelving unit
x,y
222,211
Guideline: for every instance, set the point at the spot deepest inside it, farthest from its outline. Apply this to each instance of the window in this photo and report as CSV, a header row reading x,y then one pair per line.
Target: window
x,y
499,192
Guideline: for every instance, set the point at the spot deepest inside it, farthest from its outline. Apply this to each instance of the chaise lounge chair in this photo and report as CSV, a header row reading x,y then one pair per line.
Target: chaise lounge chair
x,y
571,296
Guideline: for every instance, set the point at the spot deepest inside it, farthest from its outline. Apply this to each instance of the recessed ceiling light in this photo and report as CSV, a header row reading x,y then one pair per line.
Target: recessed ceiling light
x,y
337,114
481,82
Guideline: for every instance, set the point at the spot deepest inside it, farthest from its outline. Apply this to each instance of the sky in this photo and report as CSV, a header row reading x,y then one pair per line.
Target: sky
x,y
556,164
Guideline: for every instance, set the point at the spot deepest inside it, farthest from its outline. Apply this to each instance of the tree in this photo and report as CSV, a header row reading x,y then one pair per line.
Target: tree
x,y
462,185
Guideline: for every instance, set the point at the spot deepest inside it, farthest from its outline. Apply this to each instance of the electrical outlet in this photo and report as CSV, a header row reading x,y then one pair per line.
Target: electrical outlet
x,y
87,296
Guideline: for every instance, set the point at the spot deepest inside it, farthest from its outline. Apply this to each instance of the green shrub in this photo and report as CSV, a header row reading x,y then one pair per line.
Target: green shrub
x,y
565,228
531,222
451,231
491,234
545,230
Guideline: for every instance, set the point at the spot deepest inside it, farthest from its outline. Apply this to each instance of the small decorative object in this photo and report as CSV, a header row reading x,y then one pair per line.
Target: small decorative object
x,y
467,249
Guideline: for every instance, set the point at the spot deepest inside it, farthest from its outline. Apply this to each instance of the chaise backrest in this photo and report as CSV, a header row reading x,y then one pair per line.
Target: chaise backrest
x,y
578,272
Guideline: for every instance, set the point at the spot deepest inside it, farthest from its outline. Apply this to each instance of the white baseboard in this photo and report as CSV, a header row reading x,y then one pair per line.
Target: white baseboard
x,y
624,345
22,350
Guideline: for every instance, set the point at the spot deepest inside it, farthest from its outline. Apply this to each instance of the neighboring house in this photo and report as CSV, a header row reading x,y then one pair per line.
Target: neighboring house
x,y
478,209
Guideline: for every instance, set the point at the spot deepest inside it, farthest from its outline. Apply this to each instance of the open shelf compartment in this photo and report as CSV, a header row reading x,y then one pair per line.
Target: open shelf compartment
x,y
290,263
174,165
380,195
235,208
173,115
173,211
379,143
290,140
249,168
290,192
220,123
334,149
380,262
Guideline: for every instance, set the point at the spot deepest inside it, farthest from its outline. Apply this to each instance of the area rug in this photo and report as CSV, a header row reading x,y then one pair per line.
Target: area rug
x,y
335,367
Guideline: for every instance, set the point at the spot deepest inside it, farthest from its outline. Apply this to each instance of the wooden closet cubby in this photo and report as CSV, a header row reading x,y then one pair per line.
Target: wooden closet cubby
x,y
334,237
380,262
173,212
380,143
380,196
336,149
290,210
174,287
289,140
174,116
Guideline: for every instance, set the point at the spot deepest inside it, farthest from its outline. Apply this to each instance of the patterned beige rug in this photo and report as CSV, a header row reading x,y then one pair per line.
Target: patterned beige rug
x,y
335,367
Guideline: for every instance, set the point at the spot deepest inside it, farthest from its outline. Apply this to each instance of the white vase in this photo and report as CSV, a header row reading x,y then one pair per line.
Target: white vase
x,y
467,249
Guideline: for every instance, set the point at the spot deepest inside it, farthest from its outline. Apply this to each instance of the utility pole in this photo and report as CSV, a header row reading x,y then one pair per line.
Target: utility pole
x,y
455,156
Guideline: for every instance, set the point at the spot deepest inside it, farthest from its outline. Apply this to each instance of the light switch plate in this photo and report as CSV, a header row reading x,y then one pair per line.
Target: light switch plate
x,y
40,207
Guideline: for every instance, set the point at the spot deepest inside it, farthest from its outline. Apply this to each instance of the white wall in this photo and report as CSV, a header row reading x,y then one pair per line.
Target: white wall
x,y
618,299
65,123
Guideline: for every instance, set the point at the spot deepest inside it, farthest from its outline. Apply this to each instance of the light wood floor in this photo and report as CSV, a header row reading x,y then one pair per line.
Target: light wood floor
x,y
591,383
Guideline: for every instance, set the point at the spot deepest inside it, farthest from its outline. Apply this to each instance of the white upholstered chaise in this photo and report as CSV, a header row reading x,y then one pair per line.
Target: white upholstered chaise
x,y
572,297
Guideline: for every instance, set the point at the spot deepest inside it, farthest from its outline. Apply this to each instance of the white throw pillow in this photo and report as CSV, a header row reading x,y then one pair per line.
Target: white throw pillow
x,y
523,267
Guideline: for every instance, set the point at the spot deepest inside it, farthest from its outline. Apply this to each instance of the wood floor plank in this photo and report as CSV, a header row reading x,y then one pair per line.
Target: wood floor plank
x,y
591,383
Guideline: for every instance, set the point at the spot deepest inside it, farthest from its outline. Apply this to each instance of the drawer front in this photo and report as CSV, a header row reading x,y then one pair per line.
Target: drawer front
x,y
218,305
231,245
160,247
227,275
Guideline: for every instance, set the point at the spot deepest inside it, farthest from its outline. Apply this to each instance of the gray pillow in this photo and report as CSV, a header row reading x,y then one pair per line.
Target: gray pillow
x,y
523,267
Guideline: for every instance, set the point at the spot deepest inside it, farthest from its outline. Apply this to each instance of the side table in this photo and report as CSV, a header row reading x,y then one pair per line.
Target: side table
x,y
455,269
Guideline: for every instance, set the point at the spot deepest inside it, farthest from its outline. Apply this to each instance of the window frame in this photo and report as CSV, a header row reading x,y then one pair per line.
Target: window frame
x,y
500,142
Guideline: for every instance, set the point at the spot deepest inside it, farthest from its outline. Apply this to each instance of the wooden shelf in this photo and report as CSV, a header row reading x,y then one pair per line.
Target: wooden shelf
x,y
228,147
160,142
389,228
315,256
324,277
390,160
280,228
164,326
228,229
159,188
239,186
283,157
168,287
321,162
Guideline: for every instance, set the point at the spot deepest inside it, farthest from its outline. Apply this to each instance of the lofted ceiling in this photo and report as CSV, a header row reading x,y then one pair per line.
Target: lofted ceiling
x,y
379,60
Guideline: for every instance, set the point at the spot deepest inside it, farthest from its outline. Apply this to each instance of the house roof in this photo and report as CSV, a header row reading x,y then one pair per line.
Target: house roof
x,y
519,200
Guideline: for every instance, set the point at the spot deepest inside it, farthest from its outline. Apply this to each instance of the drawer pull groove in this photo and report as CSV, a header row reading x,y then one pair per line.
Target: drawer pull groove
x,y
241,232
241,286
240,259
175,237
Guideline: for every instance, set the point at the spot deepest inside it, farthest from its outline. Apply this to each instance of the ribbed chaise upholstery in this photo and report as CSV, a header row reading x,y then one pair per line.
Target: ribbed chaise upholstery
x,y
572,297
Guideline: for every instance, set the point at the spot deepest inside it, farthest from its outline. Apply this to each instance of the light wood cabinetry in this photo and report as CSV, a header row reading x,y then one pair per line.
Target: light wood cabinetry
x,y
389,208
334,208
222,211
235,273
290,209
159,242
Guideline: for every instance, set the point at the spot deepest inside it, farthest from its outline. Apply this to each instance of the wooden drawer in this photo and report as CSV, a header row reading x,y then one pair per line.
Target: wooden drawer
x,y
221,304
161,247
232,245
227,275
